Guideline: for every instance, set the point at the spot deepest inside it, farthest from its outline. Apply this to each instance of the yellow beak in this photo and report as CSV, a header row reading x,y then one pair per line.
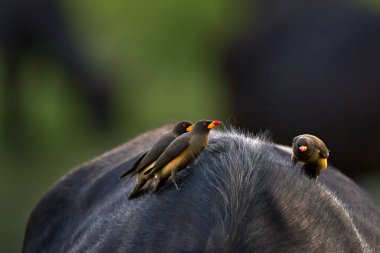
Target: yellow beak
x,y
188,129
214,124
303,148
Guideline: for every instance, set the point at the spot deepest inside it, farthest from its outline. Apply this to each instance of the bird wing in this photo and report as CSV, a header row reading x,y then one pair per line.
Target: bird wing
x,y
156,150
323,151
132,170
173,150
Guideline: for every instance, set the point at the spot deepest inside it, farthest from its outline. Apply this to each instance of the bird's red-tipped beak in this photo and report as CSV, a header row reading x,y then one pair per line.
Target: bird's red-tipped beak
x,y
188,129
214,124
302,148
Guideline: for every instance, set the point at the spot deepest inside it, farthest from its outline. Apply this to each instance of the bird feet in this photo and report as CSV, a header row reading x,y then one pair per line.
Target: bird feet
x,y
176,186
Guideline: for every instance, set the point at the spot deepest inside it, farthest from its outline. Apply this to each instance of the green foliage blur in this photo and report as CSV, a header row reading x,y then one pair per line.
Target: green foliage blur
x,y
161,57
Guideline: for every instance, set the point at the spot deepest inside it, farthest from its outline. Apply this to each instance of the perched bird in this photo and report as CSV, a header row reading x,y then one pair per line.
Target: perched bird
x,y
312,151
147,159
180,153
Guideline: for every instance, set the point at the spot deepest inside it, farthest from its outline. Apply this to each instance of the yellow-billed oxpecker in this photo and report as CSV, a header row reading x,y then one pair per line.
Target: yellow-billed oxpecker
x,y
181,152
312,151
147,159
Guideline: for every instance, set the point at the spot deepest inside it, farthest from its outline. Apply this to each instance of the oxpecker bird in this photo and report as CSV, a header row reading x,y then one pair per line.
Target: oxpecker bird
x,y
147,159
180,153
312,151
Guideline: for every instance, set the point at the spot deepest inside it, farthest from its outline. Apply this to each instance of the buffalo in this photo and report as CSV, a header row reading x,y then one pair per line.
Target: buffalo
x,y
240,195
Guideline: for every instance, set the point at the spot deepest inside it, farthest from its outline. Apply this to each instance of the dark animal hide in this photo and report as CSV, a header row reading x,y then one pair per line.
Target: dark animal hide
x,y
240,195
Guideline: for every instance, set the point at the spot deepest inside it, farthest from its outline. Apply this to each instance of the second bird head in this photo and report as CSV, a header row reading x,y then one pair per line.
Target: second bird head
x,y
182,127
303,146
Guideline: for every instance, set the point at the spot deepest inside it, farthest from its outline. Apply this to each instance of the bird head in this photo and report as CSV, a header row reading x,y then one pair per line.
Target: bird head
x,y
303,146
205,125
182,127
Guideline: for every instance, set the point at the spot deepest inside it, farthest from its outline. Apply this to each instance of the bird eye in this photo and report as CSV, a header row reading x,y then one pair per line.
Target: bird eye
x,y
184,125
204,123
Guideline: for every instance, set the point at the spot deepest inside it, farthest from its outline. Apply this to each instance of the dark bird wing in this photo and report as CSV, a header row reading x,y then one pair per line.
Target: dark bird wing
x,y
173,150
155,152
323,151
134,166
321,146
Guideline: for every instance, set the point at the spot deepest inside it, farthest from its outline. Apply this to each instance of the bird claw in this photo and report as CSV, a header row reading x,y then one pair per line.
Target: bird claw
x,y
176,186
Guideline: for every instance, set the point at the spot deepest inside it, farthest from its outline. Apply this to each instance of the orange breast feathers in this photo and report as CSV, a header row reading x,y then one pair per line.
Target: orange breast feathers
x,y
182,158
322,163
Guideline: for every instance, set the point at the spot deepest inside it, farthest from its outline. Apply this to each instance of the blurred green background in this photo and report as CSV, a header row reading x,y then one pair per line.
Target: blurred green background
x,y
162,57
145,47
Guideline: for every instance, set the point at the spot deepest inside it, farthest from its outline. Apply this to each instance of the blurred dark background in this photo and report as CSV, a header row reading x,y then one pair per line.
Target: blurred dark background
x,y
79,78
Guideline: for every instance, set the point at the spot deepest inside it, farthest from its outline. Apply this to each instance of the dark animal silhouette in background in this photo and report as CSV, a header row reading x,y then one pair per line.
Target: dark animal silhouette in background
x,y
241,195
311,66
40,26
